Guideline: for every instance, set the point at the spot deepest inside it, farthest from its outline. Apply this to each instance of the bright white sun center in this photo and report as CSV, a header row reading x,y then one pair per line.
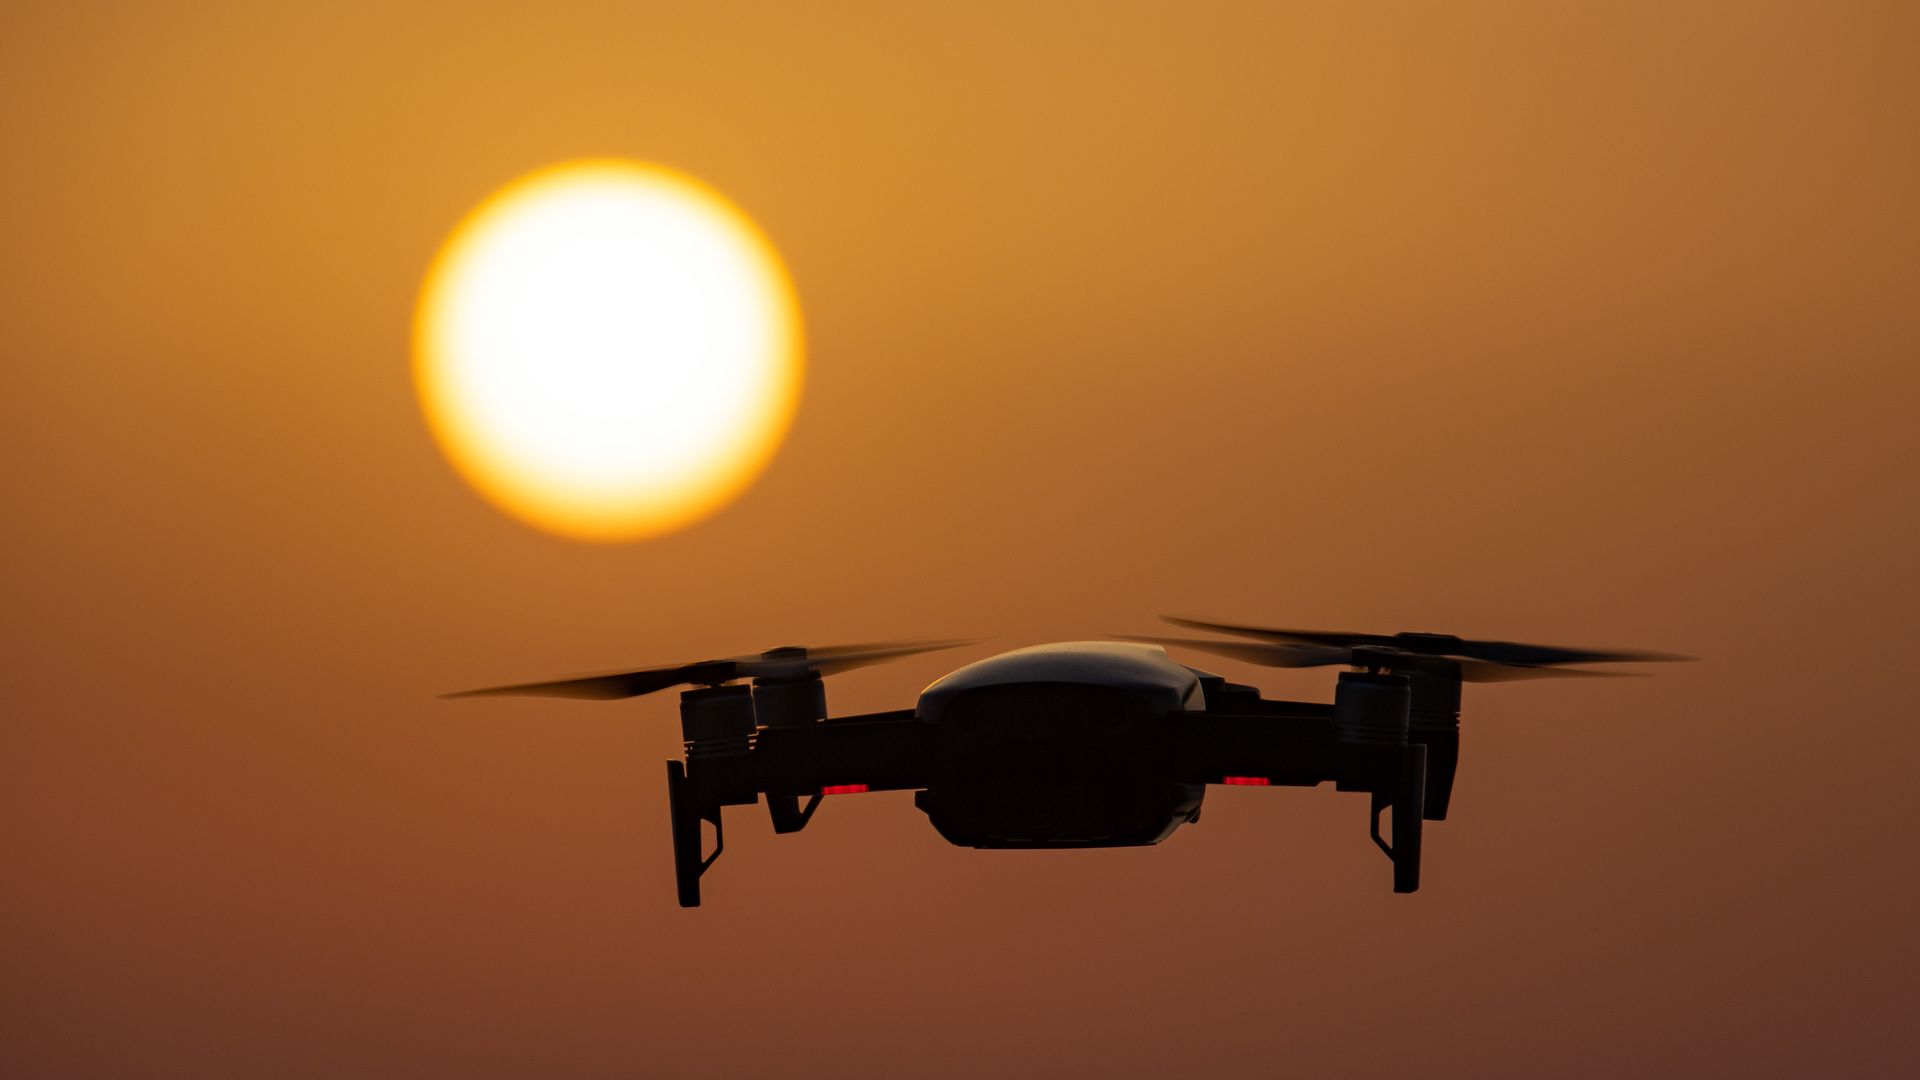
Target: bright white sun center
x,y
608,350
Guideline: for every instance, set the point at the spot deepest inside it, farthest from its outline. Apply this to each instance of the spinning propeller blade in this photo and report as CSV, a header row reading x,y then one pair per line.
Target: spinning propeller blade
x,y
1479,661
1495,652
1279,655
789,660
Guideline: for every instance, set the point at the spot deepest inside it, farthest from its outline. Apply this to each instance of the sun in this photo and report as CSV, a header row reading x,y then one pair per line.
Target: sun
x,y
608,350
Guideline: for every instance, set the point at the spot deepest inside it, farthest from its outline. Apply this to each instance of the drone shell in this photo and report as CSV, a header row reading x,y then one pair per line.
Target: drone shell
x,y
1143,671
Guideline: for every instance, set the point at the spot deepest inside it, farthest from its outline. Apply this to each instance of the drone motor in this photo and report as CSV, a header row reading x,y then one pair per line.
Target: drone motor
x,y
716,720
1371,707
789,700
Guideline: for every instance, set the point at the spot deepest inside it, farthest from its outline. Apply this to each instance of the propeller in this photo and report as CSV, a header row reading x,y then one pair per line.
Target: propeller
x,y
1479,661
1281,655
788,660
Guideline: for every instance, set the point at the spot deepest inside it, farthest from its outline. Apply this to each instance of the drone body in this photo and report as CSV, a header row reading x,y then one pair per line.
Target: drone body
x,y
1058,746
1075,745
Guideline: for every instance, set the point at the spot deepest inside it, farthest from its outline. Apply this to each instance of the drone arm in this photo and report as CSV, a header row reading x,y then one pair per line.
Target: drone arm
x,y
784,754
1215,748
888,751
1406,794
876,752
1299,748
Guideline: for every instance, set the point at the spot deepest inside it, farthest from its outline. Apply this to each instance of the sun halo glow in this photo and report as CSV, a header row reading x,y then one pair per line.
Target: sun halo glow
x,y
608,350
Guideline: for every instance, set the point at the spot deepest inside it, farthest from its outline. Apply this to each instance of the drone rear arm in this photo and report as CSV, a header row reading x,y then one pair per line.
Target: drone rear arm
x,y
1305,747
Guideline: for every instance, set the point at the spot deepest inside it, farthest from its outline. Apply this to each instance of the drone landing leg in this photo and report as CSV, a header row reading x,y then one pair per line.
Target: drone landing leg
x,y
787,813
1409,806
1408,799
685,819
1443,760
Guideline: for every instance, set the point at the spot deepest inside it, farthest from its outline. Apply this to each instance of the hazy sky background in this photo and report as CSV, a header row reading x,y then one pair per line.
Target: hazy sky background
x,y
1592,324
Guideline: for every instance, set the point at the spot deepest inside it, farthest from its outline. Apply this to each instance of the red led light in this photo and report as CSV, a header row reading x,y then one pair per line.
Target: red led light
x,y
1245,781
844,789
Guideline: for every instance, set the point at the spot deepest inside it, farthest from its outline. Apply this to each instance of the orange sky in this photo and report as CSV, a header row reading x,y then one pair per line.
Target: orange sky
x,y
1588,324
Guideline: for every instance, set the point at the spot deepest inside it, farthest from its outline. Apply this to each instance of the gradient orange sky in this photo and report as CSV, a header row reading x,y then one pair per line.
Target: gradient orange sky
x,y
1593,324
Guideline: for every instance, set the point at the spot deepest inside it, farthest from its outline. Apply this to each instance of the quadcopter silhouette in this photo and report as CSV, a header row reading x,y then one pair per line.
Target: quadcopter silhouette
x,y
1077,744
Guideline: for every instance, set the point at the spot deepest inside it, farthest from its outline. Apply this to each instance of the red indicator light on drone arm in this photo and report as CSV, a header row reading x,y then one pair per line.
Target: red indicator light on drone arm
x,y
844,789
1245,781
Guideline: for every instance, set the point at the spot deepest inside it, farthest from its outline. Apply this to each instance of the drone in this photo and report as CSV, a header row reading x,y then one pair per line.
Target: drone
x,y
1081,744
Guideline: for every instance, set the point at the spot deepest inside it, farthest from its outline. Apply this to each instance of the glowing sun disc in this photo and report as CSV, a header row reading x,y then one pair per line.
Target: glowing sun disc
x,y
608,350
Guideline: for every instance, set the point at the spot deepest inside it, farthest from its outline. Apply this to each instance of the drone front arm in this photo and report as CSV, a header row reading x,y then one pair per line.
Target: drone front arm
x,y
874,752
878,751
